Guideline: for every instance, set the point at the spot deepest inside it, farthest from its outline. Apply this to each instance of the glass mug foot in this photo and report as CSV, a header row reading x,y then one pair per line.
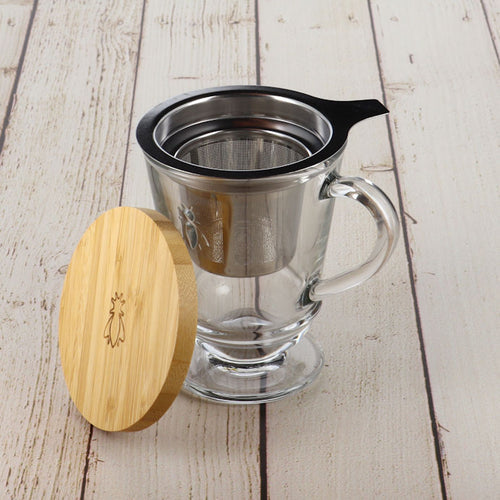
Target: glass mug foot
x,y
214,379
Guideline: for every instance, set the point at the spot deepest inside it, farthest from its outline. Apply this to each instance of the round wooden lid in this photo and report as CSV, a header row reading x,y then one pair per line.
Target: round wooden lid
x,y
127,322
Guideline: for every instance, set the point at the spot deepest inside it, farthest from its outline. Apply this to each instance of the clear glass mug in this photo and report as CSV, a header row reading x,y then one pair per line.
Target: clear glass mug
x,y
249,176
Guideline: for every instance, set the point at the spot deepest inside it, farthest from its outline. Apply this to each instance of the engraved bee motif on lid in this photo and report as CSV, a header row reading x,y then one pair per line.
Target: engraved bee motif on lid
x,y
114,331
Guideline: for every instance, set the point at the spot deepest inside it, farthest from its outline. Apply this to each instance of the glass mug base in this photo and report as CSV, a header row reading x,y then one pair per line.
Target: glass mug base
x,y
216,380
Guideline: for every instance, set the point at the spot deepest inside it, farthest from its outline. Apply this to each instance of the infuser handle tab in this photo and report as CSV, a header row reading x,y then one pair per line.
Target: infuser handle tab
x,y
386,219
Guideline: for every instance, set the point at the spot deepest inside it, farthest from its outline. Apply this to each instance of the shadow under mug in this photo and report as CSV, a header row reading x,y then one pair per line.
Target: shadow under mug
x,y
249,176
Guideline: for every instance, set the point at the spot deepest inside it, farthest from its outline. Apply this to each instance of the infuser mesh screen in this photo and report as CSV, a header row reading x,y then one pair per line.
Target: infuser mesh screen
x,y
242,149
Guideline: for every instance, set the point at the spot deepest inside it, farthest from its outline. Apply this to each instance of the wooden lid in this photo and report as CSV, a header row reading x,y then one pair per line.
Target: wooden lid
x,y
127,323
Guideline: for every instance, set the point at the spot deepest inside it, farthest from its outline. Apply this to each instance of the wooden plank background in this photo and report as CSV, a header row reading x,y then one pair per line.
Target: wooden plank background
x,y
407,405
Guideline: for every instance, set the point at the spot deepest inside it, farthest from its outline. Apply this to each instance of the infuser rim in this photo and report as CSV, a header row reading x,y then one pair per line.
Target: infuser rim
x,y
332,141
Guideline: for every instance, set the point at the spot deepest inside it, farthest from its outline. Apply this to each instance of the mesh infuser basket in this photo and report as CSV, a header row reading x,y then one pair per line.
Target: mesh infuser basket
x,y
227,165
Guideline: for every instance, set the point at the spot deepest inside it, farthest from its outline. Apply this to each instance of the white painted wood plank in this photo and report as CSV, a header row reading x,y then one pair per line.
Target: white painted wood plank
x,y
61,165
197,450
446,128
14,20
363,430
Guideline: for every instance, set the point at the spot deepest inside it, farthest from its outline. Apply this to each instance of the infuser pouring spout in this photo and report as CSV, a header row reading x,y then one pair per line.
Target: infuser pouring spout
x,y
352,112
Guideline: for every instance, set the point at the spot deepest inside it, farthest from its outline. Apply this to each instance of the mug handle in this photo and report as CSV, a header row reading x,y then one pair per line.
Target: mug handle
x,y
382,210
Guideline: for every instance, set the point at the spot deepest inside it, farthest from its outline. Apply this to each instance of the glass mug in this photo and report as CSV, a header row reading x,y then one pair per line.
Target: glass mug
x,y
249,175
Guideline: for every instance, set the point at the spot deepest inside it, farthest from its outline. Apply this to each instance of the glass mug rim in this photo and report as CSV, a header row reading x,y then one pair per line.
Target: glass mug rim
x,y
324,124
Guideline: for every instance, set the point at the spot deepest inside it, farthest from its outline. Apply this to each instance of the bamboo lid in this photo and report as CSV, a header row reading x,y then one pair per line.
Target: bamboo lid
x,y
127,322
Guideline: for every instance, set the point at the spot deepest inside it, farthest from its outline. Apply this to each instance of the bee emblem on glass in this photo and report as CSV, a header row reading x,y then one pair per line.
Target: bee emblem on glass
x,y
114,331
190,229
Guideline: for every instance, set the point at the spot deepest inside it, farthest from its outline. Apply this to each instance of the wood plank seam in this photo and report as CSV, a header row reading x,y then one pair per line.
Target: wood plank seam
x,y
132,102
12,97
86,467
490,30
439,452
257,44
262,410
263,451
